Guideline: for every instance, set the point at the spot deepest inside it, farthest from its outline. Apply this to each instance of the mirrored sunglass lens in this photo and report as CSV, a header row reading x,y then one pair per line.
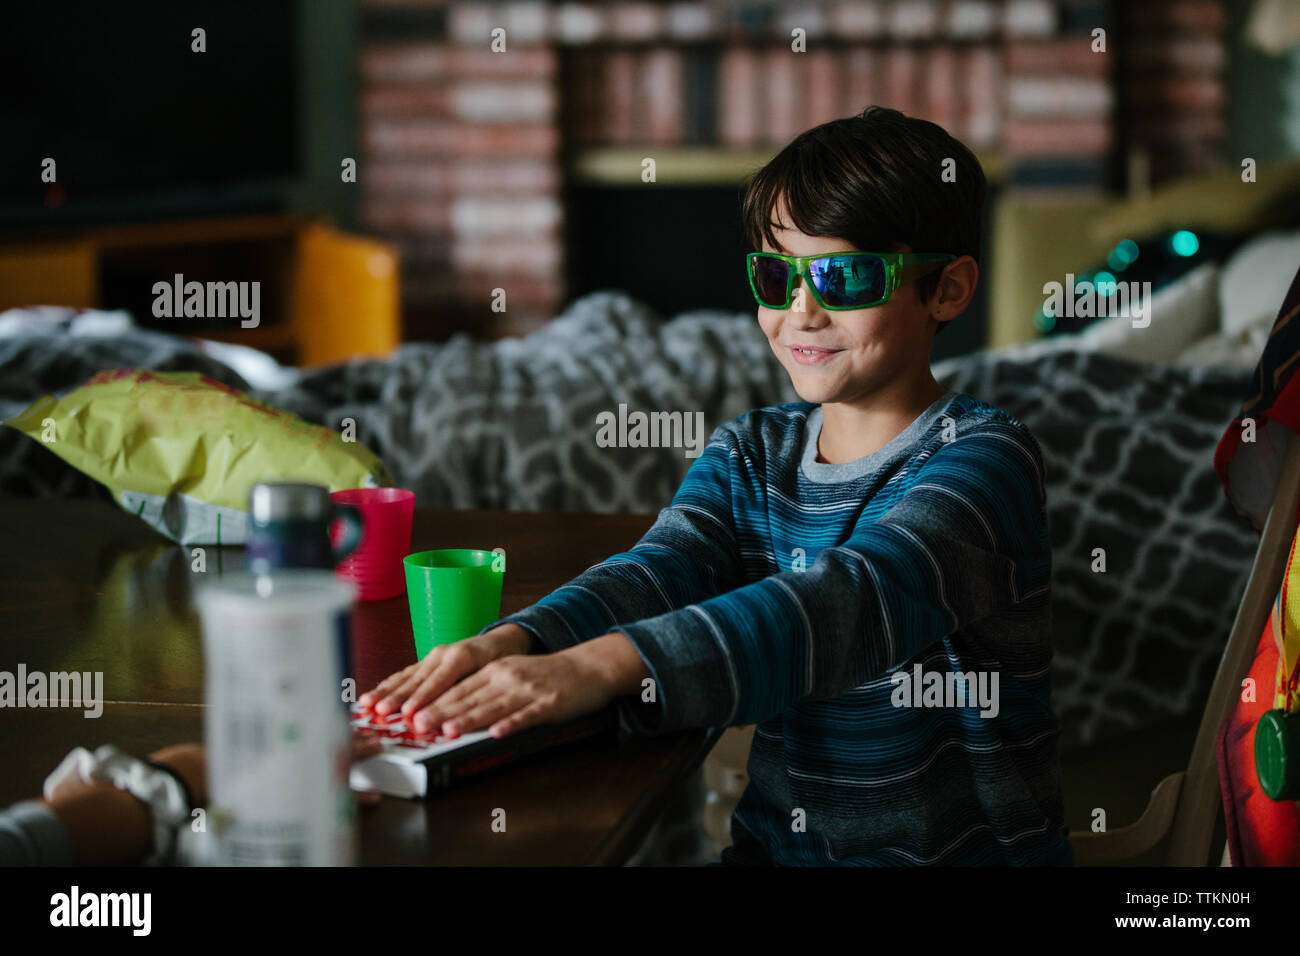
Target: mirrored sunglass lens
x,y
770,277
847,281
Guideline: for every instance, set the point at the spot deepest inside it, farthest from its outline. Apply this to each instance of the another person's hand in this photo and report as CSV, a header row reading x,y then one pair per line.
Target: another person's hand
x,y
415,686
185,760
108,826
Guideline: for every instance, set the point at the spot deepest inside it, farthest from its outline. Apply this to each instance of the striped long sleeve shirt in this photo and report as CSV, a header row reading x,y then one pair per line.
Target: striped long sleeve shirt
x,y
885,623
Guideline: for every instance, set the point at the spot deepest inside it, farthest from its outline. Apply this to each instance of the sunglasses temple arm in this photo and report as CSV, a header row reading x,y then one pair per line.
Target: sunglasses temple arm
x,y
916,270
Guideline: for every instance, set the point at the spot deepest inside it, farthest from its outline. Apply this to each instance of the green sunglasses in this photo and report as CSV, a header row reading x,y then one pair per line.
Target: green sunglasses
x,y
839,281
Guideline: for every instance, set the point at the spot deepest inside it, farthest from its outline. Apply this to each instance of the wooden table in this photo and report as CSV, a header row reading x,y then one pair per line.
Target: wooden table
x,y
87,587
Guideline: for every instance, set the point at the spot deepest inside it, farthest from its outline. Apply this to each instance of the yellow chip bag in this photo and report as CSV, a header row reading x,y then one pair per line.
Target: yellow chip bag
x,y
182,451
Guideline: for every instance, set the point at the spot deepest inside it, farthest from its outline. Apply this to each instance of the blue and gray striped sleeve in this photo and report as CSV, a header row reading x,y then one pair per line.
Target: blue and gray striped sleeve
x,y
688,556
965,541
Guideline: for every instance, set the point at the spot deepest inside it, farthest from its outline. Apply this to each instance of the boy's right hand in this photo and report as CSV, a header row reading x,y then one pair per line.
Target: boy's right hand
x,y
424,682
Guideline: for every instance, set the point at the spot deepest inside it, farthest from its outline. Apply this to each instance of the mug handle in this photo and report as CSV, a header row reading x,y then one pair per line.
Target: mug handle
x,y
353,530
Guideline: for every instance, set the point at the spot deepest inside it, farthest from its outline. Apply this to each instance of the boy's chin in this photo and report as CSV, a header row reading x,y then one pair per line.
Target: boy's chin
x,y
818,393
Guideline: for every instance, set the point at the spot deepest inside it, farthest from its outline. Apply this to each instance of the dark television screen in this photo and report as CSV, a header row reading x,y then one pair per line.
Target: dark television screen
x,y
114,93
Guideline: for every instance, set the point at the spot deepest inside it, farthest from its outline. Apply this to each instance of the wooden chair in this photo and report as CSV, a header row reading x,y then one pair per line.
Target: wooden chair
x,y
1186,804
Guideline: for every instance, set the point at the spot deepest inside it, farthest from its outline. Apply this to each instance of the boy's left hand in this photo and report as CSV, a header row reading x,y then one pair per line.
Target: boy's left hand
x,y
519,691
513,693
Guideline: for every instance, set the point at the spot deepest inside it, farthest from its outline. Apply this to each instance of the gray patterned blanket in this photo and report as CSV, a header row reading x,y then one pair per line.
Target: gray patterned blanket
x,y
512,424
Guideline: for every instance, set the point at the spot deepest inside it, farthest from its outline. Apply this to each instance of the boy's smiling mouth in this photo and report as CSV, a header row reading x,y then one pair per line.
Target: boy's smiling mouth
x,y
812,354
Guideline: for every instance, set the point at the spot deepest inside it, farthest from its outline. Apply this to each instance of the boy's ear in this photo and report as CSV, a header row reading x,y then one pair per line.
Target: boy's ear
x,y
955,289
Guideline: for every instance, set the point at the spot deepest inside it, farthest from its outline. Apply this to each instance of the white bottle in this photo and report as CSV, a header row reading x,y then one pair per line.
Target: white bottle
x,y
278,740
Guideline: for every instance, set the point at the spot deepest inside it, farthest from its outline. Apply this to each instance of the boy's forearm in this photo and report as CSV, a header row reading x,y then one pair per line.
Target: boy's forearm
x,y
689,555
510,638
615,661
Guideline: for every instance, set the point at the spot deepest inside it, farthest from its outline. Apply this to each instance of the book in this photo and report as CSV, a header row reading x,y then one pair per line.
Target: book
x,y
808,17
622,102
496,101
429,62
822,86
525,256
504,101
748,21
861,86
1081,17
1029,18
941,87
417,137
1058,96
493,215
899,79
983,79
785,107
498,174
406,179
472,23
701,120
691,22
415,767
970,20
663,93
1073,57
1057,137
580,23
398,98
914,19
635,21
1193,16
527,21
858,19
413,179
584,90
739,113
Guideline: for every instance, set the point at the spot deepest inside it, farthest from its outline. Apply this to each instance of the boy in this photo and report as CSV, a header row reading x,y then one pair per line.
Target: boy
x,y
864,574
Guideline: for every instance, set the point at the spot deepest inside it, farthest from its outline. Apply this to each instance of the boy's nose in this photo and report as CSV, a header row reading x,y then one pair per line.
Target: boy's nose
x,y
804,307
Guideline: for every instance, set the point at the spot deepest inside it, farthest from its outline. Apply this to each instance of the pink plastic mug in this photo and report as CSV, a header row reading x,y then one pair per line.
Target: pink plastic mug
x,y
375,567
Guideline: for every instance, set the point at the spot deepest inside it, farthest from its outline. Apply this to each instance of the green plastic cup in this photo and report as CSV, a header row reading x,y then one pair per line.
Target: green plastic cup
x,y
454,593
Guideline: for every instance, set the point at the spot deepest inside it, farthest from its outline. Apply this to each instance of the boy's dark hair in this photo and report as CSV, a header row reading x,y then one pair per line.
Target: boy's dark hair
x,y
876,180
